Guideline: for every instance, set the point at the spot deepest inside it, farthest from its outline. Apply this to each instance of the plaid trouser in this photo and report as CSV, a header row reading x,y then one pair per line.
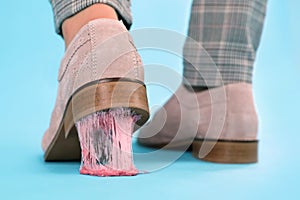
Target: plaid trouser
x,y
223,36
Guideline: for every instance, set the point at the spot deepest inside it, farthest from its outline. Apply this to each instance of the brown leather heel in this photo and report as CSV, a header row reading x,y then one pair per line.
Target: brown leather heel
x,y
96,96
228,151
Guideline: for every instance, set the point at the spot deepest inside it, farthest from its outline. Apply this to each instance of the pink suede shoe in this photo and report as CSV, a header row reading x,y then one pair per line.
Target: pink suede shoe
x,y
221,124
101,71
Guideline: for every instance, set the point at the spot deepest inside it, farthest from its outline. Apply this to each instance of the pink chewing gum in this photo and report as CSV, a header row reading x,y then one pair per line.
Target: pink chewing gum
x,y
105,140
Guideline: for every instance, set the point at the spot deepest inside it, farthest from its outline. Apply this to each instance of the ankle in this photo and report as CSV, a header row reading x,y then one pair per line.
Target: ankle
x,y
72,25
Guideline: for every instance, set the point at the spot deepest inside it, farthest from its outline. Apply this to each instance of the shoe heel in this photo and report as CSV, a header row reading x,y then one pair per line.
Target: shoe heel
x,y
227,151
98,96
110,93
106,115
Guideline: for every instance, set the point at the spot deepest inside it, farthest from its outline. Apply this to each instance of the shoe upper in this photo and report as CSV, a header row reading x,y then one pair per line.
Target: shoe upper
x,y
224,113
101,49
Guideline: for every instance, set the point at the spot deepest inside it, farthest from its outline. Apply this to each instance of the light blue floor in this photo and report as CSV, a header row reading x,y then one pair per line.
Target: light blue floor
x,y
30,57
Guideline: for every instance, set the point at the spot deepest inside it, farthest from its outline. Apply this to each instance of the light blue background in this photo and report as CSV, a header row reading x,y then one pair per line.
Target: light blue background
x,y
30,55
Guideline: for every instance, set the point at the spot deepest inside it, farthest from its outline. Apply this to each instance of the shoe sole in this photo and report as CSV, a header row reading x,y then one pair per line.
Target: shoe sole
x,y
96,96
223,151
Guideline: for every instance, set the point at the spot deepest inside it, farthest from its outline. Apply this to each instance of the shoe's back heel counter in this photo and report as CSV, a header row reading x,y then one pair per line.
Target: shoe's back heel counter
x,y
241,121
